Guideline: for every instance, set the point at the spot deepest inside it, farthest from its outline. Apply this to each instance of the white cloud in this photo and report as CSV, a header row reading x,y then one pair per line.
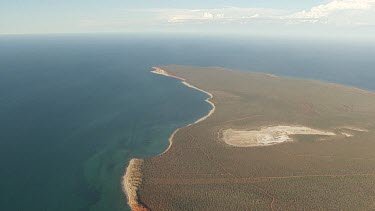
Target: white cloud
x,y
346,13
338,12
334,11
225,15
208,15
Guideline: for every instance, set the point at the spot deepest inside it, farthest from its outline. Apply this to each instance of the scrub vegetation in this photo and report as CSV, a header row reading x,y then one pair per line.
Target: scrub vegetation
x,y
314,172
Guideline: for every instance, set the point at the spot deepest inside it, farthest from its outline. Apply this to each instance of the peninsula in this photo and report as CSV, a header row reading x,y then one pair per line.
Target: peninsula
x,y
269,143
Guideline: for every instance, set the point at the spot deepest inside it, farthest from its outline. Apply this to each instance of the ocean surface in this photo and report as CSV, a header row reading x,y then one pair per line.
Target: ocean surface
x,y
75,108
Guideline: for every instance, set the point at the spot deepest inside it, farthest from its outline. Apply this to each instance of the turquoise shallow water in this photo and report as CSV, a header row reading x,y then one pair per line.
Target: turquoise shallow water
x,y
75,109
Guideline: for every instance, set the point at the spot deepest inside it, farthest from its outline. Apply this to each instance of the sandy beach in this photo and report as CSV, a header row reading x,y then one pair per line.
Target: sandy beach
x,y
160,71
133,174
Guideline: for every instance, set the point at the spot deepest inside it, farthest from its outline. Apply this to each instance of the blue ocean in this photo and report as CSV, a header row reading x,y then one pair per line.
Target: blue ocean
x,y
75,108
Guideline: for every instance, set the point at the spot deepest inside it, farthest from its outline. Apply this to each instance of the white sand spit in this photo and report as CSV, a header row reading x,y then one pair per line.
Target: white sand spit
x,y
159,71
207,100
267,136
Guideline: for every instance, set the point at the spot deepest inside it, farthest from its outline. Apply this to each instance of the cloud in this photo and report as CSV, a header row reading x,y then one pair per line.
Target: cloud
x,y
337,12
333,10
346,13
222,15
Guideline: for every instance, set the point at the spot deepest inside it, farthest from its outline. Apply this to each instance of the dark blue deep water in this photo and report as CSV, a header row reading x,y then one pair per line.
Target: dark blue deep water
x,y
75,108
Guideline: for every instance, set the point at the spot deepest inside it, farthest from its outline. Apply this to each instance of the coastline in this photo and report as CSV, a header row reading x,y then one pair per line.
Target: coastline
x,y
131,182
132,178
160,71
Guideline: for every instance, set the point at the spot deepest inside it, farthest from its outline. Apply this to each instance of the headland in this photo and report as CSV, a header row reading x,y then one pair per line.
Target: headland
x,y
269,143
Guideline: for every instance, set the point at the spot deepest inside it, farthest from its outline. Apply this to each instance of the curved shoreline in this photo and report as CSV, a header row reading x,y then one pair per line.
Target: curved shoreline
x,y
160,71
132,179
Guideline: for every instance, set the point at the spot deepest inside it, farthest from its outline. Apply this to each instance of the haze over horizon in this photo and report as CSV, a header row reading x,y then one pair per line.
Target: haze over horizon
x,y
323,18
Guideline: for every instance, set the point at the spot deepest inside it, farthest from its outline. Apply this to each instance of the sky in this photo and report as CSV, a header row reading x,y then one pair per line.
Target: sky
x,y
320,18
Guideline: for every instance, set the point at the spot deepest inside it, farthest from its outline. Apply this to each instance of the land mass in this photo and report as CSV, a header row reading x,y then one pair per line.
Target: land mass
x,y
269,143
